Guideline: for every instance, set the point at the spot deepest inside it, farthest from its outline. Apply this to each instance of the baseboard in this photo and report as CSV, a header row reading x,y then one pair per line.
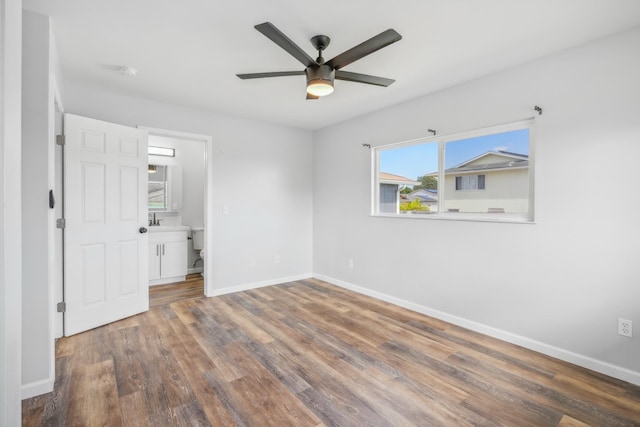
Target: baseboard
x,y
195,270
559,353
167,280
255,285
37,388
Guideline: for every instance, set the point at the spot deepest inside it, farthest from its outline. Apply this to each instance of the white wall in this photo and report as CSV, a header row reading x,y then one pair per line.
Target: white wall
x,y
262,172
38,220
558,285
10,212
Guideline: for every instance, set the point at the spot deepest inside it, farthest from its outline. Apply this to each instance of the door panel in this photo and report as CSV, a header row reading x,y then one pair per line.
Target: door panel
x,y
128,186
93,193
105,205
93,274
174,259
128,267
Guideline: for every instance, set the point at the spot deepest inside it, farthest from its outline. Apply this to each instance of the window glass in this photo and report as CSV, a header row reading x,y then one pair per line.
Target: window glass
x,y
157,190
484,174
404,186
488,174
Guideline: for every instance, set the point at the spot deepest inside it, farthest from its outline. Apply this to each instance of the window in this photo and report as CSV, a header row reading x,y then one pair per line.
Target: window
x,y
161,151
470,182
485,174
157,191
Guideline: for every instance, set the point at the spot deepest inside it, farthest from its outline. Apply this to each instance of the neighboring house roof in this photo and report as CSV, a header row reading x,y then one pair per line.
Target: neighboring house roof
x,y
424,195
492,160
389,178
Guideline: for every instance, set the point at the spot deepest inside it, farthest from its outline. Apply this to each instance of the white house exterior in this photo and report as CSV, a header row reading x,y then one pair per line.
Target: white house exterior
x,y
495,182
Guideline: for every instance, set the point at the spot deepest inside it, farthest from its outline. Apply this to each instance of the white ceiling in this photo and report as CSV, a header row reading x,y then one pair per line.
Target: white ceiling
x,y
188,52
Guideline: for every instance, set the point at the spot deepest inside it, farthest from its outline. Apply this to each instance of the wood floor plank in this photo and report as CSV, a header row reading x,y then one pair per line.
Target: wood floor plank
x,y
134,410
270,402
93,396
307,353
129,361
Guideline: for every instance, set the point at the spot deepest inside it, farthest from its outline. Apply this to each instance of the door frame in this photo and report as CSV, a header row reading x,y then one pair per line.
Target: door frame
x,y
56,253
208,194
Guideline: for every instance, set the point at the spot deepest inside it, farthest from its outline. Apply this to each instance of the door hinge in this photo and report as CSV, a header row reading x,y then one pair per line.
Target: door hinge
x,y
61,223
60,140
62,307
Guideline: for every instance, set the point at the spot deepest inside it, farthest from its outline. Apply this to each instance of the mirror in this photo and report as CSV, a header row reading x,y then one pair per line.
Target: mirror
x,y
165,188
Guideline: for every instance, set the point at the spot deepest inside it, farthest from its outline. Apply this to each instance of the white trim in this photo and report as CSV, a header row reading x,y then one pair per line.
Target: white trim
x,y
167,280
208,194
53,100
255,285
37,388
194,270
485,217
619,372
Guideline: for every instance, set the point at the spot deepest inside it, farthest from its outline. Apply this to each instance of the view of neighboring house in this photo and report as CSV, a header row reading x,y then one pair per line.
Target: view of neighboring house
x,y
390,187
426,197
494,182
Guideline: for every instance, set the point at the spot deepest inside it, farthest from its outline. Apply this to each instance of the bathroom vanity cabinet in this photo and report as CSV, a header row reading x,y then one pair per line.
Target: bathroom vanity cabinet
x,y
167,255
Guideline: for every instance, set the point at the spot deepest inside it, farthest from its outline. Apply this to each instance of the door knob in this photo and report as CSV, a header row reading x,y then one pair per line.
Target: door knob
x,y
142,230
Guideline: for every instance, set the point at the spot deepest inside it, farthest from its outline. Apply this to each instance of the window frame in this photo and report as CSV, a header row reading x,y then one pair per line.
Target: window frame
x,y
442,140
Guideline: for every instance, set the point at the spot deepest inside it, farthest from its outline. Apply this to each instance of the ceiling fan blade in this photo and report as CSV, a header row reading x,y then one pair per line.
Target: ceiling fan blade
x,y
363,78
309,96
375,43
271,74
278,37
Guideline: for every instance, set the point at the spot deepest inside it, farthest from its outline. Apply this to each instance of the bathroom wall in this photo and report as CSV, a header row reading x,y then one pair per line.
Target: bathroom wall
x,y
190,157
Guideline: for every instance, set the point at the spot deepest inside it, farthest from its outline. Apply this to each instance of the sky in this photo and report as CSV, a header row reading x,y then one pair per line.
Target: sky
x,y
417,160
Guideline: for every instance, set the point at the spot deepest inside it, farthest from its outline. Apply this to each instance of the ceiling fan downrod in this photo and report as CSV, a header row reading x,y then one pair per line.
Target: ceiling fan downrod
x,y
320,42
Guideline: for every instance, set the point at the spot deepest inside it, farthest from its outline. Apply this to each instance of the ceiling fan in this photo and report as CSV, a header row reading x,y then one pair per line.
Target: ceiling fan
x,y
321,74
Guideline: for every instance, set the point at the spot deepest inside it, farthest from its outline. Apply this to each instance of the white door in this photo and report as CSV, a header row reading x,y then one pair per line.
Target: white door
x,y
106,245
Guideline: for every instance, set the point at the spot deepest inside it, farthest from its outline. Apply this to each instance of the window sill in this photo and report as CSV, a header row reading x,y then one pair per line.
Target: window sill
x,y
499,218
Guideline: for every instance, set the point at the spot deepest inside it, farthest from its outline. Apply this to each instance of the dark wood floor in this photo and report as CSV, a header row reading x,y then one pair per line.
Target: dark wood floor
x,y
307,354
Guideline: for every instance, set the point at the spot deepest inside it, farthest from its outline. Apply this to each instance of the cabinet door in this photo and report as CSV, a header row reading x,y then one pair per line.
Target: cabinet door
x,y
174,258
154,260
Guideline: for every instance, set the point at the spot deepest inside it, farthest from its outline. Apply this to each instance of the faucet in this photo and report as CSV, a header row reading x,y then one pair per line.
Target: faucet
x,y
154,221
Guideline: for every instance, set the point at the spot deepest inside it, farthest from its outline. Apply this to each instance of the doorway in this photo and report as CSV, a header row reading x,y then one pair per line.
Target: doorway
x,y
192,157
206,145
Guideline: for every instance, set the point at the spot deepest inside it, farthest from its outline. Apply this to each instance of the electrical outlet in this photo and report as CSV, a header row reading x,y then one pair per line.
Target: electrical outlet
x,y
252,263
625,327
350,263
276,259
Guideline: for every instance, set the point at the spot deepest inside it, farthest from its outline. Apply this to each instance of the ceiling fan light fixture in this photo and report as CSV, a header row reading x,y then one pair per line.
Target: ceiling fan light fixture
x,y
320,80
319,88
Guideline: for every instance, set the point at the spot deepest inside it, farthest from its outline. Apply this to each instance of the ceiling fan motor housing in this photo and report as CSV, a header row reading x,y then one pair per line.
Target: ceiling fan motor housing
x,y
322,73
